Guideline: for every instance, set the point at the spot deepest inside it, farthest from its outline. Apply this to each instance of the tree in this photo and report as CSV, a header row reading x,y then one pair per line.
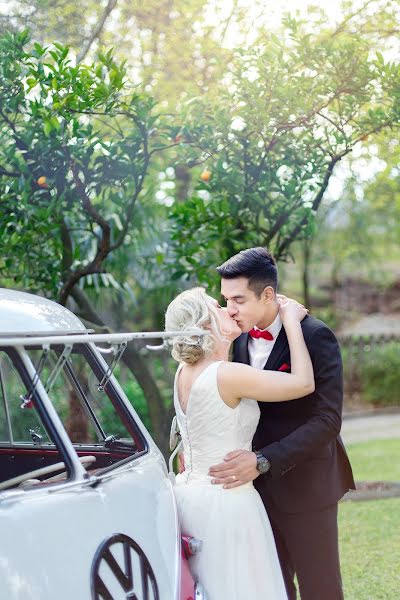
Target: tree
x,y
291,109
171,44
72,23
77,141
381,195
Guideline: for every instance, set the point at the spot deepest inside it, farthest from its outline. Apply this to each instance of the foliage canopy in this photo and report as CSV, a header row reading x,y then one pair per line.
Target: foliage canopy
x,y
76,145
291,109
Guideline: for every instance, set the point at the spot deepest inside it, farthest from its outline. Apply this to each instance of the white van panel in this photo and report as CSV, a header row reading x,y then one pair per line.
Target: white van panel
x,y
50,539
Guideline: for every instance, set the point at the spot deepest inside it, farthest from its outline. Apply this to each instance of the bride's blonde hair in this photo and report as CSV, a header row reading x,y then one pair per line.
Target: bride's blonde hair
x,y
192,309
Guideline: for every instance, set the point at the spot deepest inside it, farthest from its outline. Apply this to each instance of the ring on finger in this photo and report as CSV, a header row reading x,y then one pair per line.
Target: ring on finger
x,y
234,477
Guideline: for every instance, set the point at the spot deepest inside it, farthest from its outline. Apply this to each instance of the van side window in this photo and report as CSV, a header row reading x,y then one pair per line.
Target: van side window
x,y
25,425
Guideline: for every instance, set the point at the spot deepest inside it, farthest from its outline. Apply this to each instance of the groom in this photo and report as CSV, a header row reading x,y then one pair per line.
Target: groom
x,y
299,462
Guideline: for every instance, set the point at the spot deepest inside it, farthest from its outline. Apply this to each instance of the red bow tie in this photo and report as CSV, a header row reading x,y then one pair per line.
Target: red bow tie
x,y
256,333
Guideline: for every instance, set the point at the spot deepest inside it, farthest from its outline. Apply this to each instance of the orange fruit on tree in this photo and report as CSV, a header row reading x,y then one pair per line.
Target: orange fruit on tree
x,y
206,175
42,181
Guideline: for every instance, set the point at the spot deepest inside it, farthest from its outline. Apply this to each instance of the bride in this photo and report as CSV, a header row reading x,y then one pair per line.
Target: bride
x,y
217,411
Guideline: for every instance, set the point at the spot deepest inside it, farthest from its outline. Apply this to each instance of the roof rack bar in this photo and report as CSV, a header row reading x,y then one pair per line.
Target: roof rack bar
x,y
106,377
86,338
27,398
57,368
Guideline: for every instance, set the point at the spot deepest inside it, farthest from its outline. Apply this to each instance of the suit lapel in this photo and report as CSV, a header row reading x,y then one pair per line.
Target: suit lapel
x,y
279,348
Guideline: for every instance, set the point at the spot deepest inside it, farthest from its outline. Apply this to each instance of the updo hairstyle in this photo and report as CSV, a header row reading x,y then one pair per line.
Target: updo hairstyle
x,y
192,309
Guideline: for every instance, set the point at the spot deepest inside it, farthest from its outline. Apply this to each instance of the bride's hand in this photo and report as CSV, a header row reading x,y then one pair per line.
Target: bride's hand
x,y
290,309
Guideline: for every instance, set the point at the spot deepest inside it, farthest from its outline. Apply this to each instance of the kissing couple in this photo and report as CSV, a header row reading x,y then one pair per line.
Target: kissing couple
x,y
265,465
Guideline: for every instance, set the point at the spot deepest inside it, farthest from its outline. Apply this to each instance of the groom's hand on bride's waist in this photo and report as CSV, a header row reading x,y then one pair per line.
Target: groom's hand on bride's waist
x,y
239,467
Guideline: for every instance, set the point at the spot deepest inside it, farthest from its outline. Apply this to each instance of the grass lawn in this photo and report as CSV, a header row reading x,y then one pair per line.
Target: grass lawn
x,y
370,549
378,460
370,530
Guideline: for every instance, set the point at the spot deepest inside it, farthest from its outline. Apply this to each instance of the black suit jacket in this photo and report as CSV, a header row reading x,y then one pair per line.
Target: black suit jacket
x,y
301,438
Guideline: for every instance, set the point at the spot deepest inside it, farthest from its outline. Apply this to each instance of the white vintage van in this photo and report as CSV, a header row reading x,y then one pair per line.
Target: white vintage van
x,y
87,510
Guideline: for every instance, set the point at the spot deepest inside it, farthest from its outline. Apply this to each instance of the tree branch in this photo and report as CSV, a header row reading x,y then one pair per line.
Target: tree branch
x,y
138,188
228,22
103,248
88,206
9,173
316,203
67,247
282,219
111,4
19,142
351,16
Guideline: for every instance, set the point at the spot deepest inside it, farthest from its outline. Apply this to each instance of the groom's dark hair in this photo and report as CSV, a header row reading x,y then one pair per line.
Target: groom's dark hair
x,y
256,264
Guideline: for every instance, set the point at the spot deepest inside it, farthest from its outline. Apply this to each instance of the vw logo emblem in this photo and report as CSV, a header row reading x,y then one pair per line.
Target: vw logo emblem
x,y
121,571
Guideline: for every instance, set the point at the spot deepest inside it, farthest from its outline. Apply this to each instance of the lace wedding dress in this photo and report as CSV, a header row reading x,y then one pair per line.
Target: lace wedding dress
x,y
238,560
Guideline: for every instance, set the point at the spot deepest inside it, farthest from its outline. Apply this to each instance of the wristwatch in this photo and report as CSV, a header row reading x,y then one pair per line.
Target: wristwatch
x,y
263,464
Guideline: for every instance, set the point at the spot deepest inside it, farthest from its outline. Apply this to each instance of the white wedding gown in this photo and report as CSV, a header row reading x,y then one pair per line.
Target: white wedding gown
x,y
238,560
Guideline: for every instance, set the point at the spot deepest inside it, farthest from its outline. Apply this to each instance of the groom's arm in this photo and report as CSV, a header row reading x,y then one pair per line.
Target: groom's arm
x,y
321,427
325,418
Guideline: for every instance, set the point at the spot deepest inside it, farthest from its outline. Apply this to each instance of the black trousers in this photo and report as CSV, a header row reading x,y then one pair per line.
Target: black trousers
x,y
307,545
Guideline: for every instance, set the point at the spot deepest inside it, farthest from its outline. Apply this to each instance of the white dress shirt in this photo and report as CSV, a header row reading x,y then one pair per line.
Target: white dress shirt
x,y
260,349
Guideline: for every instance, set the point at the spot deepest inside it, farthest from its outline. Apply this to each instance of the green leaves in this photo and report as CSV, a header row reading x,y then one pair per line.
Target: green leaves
x,y
77,151
294,106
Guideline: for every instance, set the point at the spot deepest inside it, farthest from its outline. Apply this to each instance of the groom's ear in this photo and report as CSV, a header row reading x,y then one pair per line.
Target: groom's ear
x,y
268,294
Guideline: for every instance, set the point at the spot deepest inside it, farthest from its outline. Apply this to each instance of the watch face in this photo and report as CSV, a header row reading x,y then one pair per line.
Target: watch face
x,y
263,464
